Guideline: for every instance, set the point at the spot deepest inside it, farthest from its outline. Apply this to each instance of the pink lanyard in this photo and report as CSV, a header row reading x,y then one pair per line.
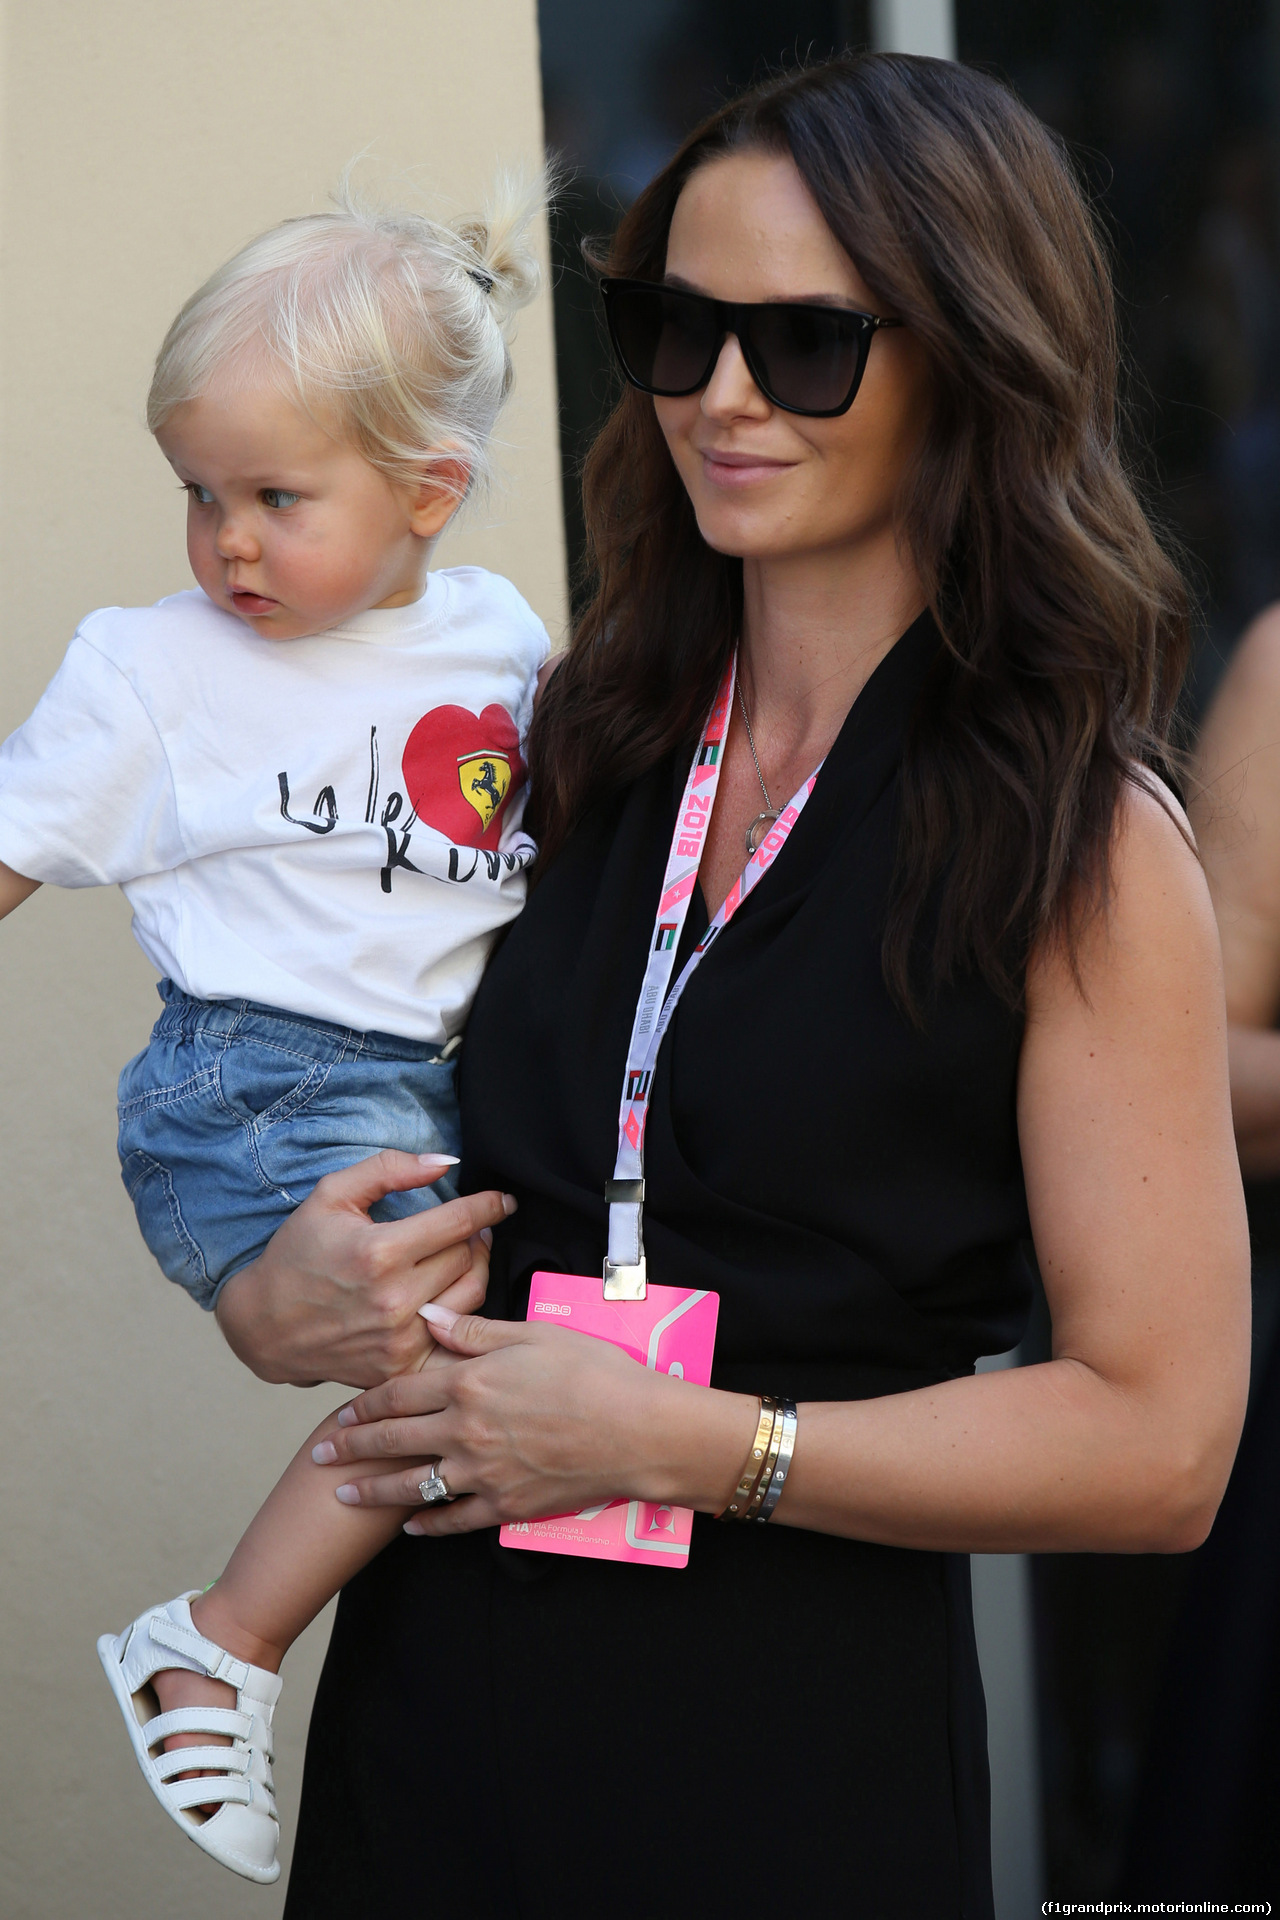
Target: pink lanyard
x,y
624,1270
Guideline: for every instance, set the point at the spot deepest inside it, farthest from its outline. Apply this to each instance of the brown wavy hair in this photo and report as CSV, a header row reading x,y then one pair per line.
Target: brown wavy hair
x,y
1065,623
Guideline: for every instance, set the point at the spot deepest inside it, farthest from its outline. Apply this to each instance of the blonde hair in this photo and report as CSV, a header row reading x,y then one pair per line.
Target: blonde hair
x,y
390,328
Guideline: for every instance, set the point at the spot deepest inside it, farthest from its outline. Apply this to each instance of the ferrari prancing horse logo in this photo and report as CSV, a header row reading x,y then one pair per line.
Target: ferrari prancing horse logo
x,y
462,772
485,779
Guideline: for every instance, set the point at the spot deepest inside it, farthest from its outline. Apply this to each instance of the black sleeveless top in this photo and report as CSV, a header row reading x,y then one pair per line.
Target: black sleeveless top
x,y
851,1187
794,1722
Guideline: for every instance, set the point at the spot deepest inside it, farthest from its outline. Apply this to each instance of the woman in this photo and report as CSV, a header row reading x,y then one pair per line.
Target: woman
x,y
977,992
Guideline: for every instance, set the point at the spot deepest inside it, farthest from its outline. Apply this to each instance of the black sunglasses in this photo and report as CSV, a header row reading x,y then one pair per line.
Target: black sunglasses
x,y
804,359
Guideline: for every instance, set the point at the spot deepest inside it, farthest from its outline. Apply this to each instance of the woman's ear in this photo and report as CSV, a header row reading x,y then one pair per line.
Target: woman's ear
x,y
438,495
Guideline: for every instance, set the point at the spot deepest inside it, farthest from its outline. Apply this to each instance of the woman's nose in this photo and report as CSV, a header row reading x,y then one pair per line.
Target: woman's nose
x,y
731,392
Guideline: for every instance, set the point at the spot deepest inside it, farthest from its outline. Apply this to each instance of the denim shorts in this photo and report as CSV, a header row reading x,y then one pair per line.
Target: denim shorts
x,y
233,1111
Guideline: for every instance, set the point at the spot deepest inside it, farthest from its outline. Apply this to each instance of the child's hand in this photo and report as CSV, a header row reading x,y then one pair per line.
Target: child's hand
x,y
336,1295
464,1296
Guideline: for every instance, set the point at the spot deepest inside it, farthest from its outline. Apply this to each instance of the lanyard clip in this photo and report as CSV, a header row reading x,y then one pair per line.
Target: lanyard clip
x,y
625,1283
625,1273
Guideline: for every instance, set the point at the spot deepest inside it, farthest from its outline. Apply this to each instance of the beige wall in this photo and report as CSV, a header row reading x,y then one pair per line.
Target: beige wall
x,y
143,140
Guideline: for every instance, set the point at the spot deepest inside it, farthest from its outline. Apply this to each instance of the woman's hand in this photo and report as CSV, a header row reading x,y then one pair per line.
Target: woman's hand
x,y
336,1296
528,1421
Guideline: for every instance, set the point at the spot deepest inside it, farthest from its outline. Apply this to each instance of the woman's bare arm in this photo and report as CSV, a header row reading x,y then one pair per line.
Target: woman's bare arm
x,y
1236,810
1121,1442
1124,1440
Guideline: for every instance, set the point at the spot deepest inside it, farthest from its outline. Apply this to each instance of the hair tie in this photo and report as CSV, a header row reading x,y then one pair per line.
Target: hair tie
x,y
483,280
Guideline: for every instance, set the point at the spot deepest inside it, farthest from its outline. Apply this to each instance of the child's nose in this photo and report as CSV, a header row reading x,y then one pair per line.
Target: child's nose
x,y
236,539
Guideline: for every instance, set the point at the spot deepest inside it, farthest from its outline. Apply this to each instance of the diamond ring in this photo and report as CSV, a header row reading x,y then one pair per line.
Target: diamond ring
x,y
434,1488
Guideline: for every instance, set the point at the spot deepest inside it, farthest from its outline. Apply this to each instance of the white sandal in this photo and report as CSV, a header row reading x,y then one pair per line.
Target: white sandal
x,y
245,1830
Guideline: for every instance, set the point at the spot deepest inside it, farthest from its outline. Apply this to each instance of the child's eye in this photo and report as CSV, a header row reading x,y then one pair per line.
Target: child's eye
x,y
201,495
277,497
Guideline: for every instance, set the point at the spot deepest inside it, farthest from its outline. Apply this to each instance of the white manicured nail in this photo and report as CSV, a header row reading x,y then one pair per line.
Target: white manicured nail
x,y
438,1316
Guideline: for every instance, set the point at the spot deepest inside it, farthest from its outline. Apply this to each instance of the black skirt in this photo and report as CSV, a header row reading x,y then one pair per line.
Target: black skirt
x,y
502,1734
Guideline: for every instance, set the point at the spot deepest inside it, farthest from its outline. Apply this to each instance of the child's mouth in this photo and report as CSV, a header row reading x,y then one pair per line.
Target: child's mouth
x,y
252,602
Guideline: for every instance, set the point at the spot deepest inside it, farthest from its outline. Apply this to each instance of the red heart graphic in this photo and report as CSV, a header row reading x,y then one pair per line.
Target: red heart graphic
x,y
460,772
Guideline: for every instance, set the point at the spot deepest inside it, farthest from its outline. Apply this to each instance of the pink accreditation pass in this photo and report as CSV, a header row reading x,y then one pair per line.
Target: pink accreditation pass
x,y
673,1330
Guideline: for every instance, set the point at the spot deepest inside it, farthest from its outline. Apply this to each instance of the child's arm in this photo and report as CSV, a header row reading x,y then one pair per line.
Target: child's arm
x,y
14,889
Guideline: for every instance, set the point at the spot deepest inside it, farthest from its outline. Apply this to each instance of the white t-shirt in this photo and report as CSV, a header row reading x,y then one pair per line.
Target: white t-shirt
x,y
329,825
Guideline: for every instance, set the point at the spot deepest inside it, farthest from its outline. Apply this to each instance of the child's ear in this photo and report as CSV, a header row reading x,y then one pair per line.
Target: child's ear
x,y
438,495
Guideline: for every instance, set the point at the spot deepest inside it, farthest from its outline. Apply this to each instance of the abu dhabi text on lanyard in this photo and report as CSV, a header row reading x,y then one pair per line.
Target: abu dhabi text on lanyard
x,y
625,1275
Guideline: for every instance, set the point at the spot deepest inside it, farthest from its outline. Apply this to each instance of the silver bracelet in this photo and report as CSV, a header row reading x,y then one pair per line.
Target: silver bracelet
x,y
787,1410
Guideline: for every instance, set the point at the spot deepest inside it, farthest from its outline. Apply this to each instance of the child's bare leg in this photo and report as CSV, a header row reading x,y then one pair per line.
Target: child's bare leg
x,y
301,1547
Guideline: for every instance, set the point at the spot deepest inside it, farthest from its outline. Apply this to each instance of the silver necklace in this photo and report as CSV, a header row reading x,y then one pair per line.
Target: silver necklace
x,y
763,821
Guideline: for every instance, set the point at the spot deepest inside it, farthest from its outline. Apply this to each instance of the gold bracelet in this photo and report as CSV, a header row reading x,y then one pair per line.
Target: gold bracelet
x,y
749,1479
763,1484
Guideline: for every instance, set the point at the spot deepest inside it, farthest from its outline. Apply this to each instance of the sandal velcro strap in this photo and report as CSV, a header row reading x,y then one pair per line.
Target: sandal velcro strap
x,y
209,1789
216,1661
234,1672
228,1760
236,1726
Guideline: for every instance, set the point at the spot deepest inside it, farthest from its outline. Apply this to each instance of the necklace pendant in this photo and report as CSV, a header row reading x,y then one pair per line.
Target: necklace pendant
x,y
759,827
763,821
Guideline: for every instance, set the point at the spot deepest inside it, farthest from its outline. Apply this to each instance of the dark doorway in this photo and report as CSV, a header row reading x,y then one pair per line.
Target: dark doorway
x,y
1169,106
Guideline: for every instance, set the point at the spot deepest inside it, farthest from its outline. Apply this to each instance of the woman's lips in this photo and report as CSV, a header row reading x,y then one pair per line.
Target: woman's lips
x,y
252,602
726,469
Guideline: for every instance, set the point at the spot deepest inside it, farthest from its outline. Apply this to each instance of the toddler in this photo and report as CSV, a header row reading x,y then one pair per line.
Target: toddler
x,y
307,777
